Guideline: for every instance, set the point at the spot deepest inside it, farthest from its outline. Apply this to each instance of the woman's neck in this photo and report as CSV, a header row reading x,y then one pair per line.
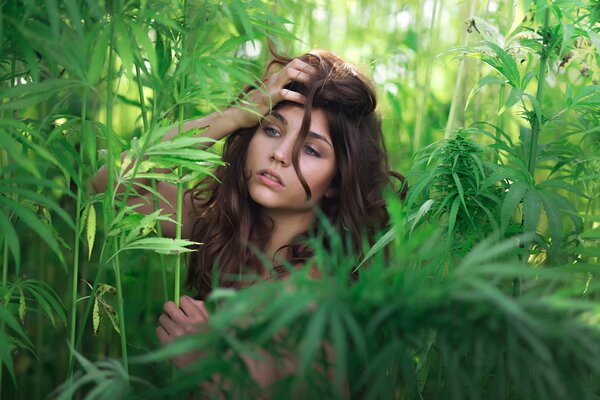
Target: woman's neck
x,y
286,226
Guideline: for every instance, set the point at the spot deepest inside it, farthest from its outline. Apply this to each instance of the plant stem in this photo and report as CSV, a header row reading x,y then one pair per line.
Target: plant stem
x,y
457,86
179,168
4,282
499,120
76,244
3,163
109,205
424,94
536,124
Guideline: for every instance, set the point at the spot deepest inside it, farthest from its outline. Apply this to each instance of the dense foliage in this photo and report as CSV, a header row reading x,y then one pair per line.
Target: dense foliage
x,y
489,289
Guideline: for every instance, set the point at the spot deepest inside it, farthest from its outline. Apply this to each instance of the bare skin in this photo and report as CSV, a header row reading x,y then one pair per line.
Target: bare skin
x,y
192,315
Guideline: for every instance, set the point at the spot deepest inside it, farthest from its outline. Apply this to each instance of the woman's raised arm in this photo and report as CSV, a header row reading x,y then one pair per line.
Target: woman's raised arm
x,y
257,103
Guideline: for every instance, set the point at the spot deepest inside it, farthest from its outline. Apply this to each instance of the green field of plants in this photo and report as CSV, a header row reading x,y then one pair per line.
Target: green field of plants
x,y
490,286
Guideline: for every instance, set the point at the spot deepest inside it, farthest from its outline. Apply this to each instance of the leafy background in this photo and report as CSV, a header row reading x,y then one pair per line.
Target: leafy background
x,y
491,108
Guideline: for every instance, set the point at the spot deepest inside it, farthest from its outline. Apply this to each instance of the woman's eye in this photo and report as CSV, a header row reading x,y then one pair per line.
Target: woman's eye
x,y
310,151
271,131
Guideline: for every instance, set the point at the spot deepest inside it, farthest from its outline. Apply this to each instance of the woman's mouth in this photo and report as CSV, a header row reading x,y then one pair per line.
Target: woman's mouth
x,y
270,178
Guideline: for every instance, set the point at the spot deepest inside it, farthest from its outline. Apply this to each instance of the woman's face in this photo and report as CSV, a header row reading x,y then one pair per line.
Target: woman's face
x,y
273,181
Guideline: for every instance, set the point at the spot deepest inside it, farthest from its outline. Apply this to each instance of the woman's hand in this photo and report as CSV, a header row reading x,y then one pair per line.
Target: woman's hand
x,y
262,100
179,321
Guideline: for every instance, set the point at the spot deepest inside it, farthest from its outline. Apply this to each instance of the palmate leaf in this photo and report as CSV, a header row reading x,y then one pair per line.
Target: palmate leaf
x,y
108,380
158,245
22,96
13,148
504,64
10,235
41,200
5,339
47,299
512,199
532,206
36,225
555,222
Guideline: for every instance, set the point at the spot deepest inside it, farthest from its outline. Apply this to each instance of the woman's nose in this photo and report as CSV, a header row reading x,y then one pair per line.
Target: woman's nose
x,y
282,153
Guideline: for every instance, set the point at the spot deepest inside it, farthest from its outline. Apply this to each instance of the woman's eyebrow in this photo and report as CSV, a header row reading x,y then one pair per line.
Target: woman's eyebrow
x,y
311,134
279,117
316,135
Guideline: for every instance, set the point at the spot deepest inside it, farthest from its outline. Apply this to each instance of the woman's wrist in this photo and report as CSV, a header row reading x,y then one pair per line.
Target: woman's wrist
x,y
242,116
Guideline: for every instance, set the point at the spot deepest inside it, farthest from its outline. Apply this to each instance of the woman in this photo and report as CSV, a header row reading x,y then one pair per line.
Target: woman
x,y
309,139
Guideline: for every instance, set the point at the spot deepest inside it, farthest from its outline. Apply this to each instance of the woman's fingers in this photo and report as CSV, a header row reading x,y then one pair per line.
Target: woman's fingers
x,y
163,336
300,65
289,95
174,312
292,74
171,327
194,309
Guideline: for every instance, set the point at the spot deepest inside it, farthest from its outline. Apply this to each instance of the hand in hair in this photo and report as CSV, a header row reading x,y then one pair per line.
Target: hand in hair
x,y
260,101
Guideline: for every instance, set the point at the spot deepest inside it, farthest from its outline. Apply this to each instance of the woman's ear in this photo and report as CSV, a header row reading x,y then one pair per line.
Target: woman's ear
x,y
330,193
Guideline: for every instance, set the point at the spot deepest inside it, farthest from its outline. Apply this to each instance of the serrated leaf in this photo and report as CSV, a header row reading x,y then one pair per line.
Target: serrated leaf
x,y
22,306
112,315
35,224
96,316
380,244
10,235
532,206
512,199
159,245
91,229
452,217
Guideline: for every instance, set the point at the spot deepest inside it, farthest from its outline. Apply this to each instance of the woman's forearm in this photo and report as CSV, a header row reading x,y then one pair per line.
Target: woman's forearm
x,y
218,125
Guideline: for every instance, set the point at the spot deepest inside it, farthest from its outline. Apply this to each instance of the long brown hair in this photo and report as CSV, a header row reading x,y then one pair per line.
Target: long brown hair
x,y
229,223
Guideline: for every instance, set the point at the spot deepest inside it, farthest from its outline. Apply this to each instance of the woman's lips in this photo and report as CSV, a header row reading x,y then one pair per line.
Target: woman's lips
x,y
270,178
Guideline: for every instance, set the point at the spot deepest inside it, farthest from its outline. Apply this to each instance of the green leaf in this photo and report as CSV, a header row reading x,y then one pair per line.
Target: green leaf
x,y
8,319
486,80
507,67
98,56
88,138
425,207
22,306
35,224
112,316
91,229
380,244
452,217
555,222
313,338
42,200
532,206
512,199
159,245
96,316
461,192
10,235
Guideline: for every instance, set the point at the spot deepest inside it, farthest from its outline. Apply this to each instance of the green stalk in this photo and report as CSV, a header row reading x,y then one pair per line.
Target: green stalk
x,y
144,113
4,161
109,206
4,282
499,120
458,83
76,244
180,170
535,126
416,142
